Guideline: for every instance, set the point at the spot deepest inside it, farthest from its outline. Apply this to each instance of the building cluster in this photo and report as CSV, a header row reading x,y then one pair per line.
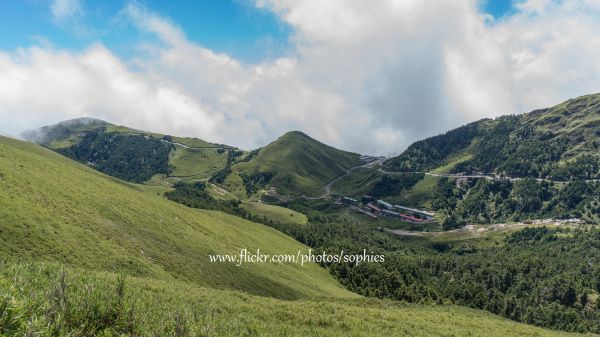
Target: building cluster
x,y
375,208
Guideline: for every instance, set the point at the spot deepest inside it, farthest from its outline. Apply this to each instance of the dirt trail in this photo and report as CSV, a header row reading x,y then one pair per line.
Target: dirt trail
x,y
470,229
199,148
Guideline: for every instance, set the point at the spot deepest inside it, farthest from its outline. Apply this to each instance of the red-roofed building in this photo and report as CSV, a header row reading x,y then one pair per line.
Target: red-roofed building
x,y
374,208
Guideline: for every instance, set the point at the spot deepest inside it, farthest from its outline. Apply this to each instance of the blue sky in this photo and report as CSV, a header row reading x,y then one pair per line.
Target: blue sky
x,y
497,8
234,27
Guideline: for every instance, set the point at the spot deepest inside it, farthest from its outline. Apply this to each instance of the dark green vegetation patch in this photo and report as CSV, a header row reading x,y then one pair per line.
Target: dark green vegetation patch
x,y
488,201
134,158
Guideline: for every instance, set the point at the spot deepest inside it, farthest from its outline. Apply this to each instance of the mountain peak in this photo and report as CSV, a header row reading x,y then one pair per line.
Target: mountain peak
x,y
45,134
295,134
298,164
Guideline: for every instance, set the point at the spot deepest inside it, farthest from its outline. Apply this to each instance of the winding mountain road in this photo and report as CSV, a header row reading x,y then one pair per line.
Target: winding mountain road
x,y
327,187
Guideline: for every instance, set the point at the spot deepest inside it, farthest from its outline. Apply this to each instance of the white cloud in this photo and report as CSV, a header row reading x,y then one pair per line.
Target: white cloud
x,y
41,86
365,77
65,10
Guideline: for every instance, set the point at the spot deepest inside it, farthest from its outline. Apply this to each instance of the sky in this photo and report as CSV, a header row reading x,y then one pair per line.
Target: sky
x,y
369,77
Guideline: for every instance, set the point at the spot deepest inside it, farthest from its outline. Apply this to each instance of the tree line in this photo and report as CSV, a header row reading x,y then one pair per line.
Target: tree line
x,y
488,201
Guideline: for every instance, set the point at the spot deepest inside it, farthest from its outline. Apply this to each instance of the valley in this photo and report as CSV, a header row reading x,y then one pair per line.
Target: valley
x,y
67,232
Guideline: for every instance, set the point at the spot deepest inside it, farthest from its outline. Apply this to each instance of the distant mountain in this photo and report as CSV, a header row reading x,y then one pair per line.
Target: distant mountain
x,y
559,143
130,154
294,164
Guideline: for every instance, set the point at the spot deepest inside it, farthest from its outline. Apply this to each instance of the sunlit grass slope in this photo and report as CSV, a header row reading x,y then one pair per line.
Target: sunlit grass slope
x,y
357,183
42,300
276,213
195,164
54,209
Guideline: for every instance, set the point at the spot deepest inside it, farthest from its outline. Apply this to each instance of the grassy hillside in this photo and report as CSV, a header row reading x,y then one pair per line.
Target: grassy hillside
x,y
276,213
54,209
559,143
357,183
195,163
41,300
297,164
66,133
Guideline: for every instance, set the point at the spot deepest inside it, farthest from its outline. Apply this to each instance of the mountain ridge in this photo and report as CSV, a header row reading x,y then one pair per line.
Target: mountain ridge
x,y
294,163
130,154
544,143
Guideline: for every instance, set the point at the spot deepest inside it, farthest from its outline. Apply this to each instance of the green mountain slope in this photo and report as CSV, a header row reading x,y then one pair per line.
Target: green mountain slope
x,y
559,143
542,164
295,164
130,154
54,209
